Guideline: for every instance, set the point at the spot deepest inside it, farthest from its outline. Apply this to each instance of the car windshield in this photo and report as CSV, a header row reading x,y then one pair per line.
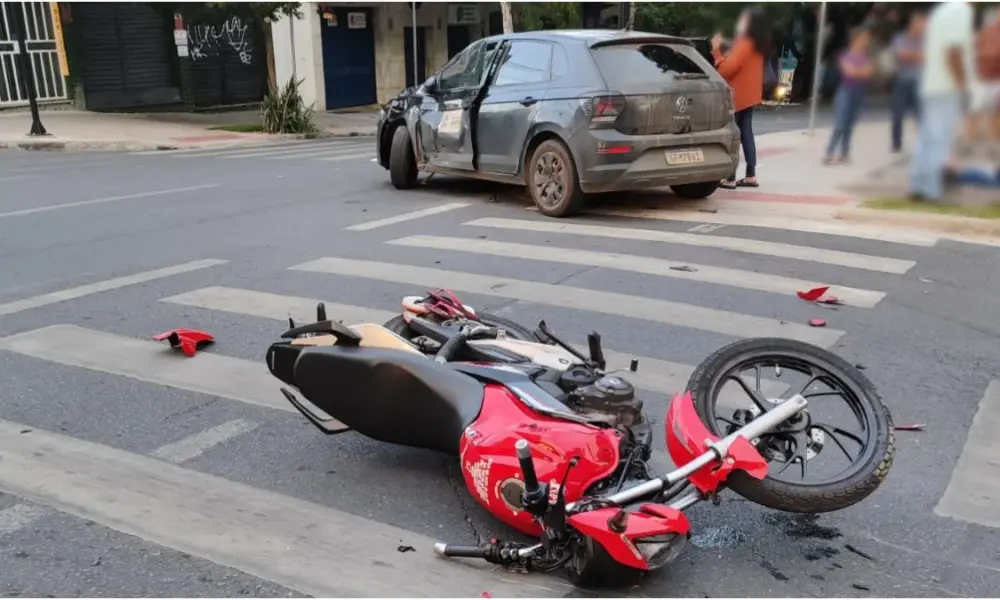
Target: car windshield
x,y
628,66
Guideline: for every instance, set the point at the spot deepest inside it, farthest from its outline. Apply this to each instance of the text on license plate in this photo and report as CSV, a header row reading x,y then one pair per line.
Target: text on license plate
x,y
685,157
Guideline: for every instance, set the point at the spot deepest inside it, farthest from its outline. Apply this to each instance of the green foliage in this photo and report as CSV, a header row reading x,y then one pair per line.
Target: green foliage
x,y
284,111
257,12
694,19
537,16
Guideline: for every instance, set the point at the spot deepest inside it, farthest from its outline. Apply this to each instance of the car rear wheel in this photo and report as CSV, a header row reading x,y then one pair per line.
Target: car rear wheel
x,y
402,162
552,180
695,191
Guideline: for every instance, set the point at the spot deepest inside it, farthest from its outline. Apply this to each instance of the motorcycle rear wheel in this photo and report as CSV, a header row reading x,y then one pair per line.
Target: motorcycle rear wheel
x,y
857,482
514,330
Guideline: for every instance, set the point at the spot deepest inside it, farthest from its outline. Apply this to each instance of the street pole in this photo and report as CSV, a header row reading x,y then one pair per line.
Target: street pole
x,y
25,72
413,14
291,43
820,29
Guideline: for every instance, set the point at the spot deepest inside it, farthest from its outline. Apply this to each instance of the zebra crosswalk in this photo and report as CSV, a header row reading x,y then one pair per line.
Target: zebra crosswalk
x,y
325,149
159,496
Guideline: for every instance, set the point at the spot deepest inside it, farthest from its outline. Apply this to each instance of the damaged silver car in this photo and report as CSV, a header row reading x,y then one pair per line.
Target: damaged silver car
x,y
567,113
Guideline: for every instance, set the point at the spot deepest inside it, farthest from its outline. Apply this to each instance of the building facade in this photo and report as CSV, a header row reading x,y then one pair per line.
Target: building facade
x,y
359,54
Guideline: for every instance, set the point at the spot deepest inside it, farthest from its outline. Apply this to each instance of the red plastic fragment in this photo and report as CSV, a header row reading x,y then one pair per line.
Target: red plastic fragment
x,y
817,323
185,339
813,294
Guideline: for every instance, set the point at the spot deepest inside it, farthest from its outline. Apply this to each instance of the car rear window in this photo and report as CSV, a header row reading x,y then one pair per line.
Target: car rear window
x,y
628,65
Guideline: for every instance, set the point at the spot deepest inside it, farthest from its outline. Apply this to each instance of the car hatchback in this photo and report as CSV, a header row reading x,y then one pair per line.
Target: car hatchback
x,y
567,113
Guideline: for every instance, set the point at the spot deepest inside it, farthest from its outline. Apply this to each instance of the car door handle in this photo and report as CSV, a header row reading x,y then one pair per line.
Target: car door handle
x,y
528,101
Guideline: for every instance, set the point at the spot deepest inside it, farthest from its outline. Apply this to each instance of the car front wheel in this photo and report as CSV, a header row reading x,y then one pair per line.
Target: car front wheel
x,y
552,180
695,191
402,161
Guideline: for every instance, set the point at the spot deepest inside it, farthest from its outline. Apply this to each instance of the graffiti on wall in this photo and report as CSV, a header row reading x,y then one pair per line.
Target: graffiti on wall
x,y
208,40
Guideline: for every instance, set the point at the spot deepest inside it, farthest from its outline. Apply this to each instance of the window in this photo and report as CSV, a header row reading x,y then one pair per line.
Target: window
x,y
464,70
526,62
634,64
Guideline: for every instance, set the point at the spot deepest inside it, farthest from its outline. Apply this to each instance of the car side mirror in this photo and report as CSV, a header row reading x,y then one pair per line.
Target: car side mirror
x,y
430,86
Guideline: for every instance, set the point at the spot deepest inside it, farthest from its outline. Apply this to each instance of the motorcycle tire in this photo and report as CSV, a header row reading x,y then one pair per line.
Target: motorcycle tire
x,y
518,332
857,484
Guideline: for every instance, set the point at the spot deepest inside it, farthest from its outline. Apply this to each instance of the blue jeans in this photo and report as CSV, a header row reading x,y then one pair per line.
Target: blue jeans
x,y
904,100
941,116
846,109
744,120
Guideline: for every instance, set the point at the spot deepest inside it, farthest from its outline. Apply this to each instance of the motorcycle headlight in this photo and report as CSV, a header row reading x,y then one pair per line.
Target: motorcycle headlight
x,y
659,550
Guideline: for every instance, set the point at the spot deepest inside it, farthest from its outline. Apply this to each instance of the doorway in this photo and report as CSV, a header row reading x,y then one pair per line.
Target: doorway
x,y
459,37
421,55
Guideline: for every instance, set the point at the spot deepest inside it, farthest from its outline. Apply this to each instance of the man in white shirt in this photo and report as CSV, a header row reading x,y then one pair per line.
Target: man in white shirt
x,y
948,75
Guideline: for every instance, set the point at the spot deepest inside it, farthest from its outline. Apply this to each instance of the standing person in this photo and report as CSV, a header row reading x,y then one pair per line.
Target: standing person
x,y
948,76
984,117
908,51
856,71
743,68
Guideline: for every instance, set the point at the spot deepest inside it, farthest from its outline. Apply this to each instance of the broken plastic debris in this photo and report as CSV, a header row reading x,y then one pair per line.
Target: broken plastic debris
x,y
684,268
914,427
817,323
188,340
814,294
404,548
925,280
830,300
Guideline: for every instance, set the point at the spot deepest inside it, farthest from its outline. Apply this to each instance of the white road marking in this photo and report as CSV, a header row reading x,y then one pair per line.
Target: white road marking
x,y
52,207
302,152
301,545
197,444
806,253
351,157
641,264
706,228
153,362
410,216
19,516
16,306
973,494
225,148
334,152
16,177
785,221
636,307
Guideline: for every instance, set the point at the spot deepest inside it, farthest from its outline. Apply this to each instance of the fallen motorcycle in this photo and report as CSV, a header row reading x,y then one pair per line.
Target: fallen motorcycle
x,y
578,479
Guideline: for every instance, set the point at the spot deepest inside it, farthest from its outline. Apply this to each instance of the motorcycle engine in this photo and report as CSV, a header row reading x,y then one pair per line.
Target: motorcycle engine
x,y
610,399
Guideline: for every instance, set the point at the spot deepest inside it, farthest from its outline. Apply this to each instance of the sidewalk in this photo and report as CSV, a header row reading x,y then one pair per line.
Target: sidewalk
x,y
81,130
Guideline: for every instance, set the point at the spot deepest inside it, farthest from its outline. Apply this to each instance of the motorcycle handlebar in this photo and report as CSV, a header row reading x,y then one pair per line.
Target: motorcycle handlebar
x,y
527,467
451,348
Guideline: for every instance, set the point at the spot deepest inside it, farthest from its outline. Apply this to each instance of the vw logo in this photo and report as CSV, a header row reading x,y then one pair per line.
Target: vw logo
x,y
682,104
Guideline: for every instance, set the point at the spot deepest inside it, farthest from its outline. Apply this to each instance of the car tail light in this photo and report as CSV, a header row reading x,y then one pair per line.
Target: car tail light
x,y
604,110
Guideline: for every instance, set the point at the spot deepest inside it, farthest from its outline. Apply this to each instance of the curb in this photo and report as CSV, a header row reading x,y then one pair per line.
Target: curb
x,y
135,146
971,226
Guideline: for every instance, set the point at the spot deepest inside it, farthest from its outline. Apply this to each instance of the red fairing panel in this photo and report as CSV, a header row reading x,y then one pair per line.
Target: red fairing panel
x,y
187,340
688,438
489,462
650,520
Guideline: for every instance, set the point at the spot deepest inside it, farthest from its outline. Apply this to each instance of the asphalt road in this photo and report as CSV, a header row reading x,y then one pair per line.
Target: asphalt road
x,y
128,471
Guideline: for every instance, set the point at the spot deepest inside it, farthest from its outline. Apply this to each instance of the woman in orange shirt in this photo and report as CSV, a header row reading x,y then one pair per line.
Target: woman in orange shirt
x,y
743,68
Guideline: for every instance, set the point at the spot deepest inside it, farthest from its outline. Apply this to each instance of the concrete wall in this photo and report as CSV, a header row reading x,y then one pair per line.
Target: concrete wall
x,y
308,53
390,56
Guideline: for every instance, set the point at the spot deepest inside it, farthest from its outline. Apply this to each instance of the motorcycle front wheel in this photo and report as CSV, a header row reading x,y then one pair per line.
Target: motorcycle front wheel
x,y
765,371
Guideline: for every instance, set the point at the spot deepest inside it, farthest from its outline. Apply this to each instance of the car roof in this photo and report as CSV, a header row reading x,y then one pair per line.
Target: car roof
x,y
594,37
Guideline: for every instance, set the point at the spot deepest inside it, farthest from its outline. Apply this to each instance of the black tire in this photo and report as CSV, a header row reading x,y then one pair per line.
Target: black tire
x,y
570,199
695,191
514,330
592,567
402,161
801,498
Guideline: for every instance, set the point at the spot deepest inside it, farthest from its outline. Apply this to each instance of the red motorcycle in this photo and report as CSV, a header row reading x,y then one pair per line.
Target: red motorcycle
x,y
578,480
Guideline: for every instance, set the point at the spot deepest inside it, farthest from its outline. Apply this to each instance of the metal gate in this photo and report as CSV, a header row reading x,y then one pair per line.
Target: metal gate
x,y
40,35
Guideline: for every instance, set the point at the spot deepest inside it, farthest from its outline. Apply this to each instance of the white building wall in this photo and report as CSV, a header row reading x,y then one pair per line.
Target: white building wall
x,y
308,53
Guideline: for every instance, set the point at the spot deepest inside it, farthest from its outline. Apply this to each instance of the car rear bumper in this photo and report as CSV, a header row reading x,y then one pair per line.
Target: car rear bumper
x,y
645,164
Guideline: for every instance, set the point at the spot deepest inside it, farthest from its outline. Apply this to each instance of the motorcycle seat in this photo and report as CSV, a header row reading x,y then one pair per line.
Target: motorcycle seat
x,y
372,336
391,395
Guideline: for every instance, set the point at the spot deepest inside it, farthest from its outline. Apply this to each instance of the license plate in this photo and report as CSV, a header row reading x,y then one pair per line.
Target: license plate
x,y
685,157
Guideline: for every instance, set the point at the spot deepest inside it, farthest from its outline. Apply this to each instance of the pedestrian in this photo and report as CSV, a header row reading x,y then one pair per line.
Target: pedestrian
x,y
984,109
948,76
908,51
743,68
856,71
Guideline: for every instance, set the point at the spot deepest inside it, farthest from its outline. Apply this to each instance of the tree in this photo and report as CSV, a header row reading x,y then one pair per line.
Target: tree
x,y
259,14
536,16
508,17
